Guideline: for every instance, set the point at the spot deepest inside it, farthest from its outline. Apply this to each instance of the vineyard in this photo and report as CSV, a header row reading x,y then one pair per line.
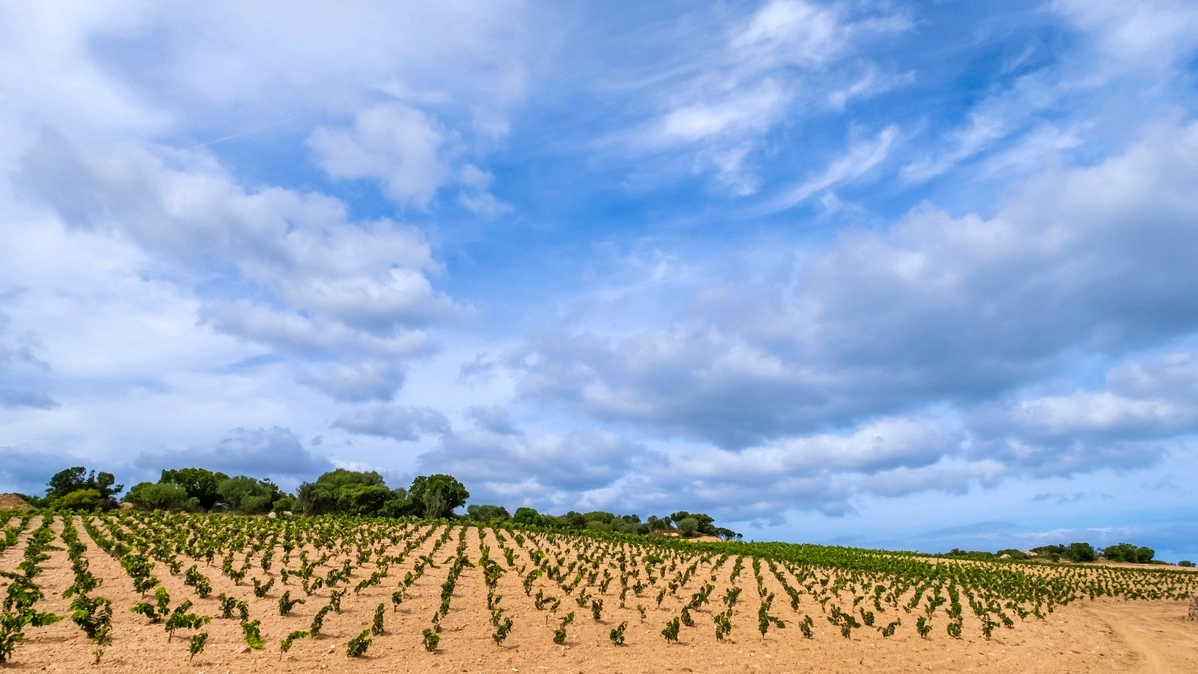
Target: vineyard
x,y
152,591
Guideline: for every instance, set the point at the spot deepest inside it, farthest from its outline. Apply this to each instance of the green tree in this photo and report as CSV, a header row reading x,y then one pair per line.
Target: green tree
x,y
488,513
437,495
80,499
571,520
323,496
688,526
1126,552
360,499
161,496
200,484
76,478
245,494
527,516
1080,552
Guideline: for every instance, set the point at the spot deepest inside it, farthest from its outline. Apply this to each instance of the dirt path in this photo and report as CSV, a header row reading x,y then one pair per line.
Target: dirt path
x,y
1157,633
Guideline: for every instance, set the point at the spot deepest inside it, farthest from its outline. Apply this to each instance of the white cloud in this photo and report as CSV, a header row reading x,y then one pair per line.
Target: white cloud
x,y
935,310
276,453
1131,421
405,424
476,195
297,273
721,98
360,382
794,31
871,83
860,158
398,145
1150,34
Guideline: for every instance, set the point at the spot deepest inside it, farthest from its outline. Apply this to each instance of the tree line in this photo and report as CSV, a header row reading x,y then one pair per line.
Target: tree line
x,y
342,492
1078,552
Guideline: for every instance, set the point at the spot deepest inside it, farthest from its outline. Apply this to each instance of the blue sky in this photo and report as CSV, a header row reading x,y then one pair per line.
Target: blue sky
x,y
914,275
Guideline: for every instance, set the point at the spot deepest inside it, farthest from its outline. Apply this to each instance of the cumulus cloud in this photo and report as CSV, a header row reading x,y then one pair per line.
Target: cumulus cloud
x,y
545,468
937,309
365,381
1127,423
399,146
295,273
492,418
21,371
272,452
888,457
476,195
477,372
405,424
28,471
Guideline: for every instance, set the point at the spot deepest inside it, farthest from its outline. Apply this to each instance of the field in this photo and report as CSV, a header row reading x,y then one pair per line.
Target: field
x,y
374,595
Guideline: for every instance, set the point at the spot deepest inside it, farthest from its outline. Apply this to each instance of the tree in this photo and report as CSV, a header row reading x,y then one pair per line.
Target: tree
x,y
247,495
77,478
1126,552
199,484
66,481
361,499
727,534
527,516
688,526
1080,552
323,496
161,496
438,495
80,499
571,520
487,513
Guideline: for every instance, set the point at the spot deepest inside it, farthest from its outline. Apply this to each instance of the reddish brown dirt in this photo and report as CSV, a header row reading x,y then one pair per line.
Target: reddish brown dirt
x,y
1091,636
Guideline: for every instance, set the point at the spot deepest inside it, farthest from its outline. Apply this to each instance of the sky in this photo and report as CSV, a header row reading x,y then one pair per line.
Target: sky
x,y
874,273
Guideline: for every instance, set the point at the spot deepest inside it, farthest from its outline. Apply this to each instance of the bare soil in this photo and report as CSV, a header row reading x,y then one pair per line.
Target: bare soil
x,y
13,502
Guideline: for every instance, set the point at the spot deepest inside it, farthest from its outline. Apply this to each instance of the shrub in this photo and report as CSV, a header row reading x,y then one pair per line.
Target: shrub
x,y
160,496
1126,552
687,526
80,499
1080,552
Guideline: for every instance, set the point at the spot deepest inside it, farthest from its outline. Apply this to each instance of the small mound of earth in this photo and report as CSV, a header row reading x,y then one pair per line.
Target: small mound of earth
x,y
13,502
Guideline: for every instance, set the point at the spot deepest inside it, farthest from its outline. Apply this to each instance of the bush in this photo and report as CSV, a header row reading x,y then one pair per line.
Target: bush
x,y
687,526
527,516
1080,552
1186,563
247,495
1126,552
199,483
357,499
488,513
64,482
161,496
80,499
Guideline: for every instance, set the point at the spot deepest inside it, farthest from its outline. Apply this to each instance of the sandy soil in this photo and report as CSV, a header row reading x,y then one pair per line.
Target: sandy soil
x,y
13,502
1099,636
